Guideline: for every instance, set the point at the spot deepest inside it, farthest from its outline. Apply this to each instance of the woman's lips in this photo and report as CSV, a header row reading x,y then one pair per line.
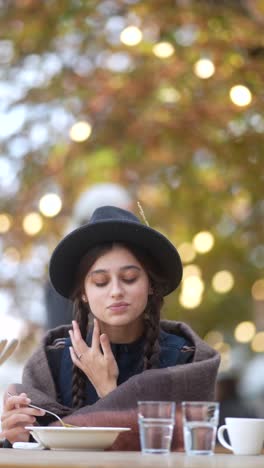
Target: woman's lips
x,y
118,306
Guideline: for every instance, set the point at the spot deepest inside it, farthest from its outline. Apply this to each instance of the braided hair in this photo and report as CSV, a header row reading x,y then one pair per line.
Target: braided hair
x,y
81,313
151,314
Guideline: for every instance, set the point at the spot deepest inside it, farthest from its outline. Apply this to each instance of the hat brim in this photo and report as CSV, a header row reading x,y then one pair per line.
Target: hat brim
x,y
67,255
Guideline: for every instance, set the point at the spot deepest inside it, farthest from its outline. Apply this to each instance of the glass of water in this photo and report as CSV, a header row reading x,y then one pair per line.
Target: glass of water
x,y
200,421
156,421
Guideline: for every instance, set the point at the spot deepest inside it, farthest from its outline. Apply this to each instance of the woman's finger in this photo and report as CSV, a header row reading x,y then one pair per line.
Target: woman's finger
x,y
18,419
106,347
20,400
76,332
78,343
96,336
76,361
27,410
17,434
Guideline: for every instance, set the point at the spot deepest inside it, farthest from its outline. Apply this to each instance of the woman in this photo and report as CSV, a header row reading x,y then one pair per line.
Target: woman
x,y
117,271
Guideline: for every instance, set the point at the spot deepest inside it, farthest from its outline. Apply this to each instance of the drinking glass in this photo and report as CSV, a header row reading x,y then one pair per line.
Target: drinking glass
x,y
200,420
156,421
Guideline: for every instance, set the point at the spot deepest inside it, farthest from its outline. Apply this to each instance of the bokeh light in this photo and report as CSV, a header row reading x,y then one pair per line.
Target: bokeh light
x,y
223,281
5,223
190,302
193,285
32,223
131,36
203,241
163,49
244,332
257,290
191,292
257,344
187,252
214,338
225,353
240,95
169,95
204,68
80,131
191,270
50,204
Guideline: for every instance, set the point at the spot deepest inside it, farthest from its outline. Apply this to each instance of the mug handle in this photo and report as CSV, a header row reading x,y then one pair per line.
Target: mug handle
x,y
220,435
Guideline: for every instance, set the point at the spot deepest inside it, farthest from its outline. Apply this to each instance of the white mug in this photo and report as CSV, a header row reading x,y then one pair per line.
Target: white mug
x,y
246,435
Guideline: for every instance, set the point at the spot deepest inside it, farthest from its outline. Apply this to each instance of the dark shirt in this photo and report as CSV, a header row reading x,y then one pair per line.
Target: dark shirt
x,y
174,350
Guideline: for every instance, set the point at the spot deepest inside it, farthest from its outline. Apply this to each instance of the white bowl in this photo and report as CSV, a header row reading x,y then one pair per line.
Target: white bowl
x,y
75,438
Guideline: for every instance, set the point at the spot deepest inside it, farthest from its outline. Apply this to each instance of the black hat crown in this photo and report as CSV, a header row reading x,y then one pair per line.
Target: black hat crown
x,y
113,213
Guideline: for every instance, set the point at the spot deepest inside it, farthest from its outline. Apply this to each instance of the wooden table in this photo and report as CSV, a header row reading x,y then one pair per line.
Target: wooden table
x,y
15,458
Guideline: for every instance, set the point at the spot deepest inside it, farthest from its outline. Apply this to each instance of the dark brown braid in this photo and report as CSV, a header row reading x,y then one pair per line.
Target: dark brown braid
x,y
152,328
81,312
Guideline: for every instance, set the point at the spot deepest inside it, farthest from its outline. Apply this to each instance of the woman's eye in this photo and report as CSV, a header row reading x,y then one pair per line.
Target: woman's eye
x,y
129,280
100,285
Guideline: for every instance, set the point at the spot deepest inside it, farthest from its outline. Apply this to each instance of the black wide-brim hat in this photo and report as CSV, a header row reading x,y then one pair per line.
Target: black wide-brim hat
x,y
112,224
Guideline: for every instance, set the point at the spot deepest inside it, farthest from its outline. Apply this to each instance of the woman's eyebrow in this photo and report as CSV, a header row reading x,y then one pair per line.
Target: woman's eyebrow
x,y
130,267
124,268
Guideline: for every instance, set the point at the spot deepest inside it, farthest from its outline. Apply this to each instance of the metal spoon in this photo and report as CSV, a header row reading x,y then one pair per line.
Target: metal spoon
x,y
46,411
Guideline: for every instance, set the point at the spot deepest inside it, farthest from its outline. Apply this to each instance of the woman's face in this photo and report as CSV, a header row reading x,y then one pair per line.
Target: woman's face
x,y
117,288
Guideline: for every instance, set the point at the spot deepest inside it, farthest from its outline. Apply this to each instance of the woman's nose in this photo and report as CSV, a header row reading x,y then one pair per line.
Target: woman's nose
x,y
116,289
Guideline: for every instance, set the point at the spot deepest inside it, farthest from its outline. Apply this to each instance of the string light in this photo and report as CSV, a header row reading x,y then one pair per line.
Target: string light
x,y
80,131
50,205
240,95
131,36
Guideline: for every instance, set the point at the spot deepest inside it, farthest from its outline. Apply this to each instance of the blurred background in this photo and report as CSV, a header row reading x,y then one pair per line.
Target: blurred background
x,y
165,99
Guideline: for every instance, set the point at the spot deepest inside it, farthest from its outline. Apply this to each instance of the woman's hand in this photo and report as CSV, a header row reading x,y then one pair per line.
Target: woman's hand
x,y
99,366
15,416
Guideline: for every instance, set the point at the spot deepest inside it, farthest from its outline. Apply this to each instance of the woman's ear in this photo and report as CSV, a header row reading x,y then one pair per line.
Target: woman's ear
x,y
84,298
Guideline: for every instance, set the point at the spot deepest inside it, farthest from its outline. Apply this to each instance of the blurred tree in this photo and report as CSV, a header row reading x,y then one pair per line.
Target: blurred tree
x,y
173,109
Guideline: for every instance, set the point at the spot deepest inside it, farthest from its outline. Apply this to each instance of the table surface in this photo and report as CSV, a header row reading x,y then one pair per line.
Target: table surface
x,y
15,458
